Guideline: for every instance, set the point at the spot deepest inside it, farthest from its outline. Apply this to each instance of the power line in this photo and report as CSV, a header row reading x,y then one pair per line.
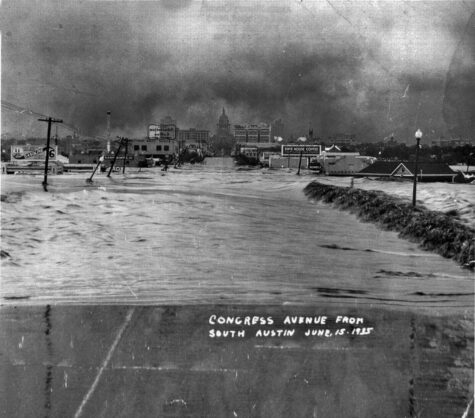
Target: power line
x,y
27,112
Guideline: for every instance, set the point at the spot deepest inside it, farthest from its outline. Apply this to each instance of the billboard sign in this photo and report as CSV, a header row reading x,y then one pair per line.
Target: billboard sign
x,y
167,131
306,150
21,153
162,131
153,131
119,157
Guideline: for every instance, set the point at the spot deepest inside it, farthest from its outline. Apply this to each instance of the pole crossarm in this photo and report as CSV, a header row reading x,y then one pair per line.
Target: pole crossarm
x,y
50,119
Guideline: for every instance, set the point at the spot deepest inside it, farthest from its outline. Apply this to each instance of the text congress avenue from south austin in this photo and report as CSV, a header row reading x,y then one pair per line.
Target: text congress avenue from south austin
x,y
288,326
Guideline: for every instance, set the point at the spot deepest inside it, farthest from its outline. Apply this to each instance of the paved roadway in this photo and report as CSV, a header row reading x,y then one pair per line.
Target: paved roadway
x,y
134,361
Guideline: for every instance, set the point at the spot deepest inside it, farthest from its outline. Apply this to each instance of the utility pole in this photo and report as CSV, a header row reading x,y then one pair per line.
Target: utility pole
x,y
300,163
125,156
115,156
101,159
50,120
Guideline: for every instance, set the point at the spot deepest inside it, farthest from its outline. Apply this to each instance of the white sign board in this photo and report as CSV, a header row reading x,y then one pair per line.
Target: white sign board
x,y
167,131
154,131
161,131
296,150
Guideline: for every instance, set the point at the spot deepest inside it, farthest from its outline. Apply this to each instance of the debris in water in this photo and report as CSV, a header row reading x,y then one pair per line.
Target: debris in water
x,y
4,254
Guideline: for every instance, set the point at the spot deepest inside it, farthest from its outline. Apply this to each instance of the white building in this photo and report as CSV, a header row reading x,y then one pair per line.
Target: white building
x,y
343,163
194,138
152,148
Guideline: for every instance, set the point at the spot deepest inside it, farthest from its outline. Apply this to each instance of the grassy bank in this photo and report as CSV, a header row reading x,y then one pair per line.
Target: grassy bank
x,y
435,231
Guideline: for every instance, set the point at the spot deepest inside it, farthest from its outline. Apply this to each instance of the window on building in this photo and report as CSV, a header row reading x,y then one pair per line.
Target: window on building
x,y
136,147
166,147
144,147
159,147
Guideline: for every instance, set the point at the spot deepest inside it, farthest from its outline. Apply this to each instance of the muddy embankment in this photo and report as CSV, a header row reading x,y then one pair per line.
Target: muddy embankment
x,y
436,231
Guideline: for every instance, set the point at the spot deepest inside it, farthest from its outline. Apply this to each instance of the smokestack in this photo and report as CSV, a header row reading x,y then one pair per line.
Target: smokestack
x,y
108,131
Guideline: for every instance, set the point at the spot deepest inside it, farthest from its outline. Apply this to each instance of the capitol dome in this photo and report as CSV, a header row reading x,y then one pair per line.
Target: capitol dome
x,y
223,119
223,123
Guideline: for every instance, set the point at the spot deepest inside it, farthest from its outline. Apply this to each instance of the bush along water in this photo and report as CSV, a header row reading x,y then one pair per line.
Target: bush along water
x,y
436,231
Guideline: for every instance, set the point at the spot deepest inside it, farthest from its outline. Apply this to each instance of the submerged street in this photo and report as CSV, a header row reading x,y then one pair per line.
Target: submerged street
x,y
206,234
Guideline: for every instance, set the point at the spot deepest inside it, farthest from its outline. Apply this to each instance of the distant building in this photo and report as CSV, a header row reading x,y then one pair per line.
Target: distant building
x,y
90,156
390,142
426,171
65,145
452,142
223,126
194,138
252,133
152,148
167,121
193,135
342,139
277,129
240,133
223,142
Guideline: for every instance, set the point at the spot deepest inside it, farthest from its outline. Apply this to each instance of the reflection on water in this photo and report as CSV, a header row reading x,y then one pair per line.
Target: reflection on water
x,y
206,234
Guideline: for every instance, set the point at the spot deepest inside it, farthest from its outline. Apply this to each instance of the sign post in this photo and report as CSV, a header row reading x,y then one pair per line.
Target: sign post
x,y
300,163
300,151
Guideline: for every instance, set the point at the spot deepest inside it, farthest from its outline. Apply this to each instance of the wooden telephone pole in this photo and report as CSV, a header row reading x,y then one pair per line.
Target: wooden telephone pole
x,y
125,155
50,120
123,142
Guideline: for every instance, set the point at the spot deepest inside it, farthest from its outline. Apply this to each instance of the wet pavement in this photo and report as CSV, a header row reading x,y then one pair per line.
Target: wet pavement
x,y
178,361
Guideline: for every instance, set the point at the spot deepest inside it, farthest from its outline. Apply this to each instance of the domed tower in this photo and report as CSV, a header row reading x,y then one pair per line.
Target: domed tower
x,y
224,127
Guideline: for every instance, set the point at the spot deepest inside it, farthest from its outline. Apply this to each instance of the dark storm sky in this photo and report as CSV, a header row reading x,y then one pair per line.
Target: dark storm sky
x,y
365,67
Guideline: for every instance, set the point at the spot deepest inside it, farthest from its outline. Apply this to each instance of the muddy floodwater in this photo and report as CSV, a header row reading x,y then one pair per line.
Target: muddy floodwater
x,y
207,233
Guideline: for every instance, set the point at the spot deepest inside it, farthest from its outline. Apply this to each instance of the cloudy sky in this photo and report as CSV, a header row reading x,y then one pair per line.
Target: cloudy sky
x,y
370,68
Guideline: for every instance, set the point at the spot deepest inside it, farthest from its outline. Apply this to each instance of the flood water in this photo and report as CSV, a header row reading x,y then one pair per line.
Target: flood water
x,y
207,233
